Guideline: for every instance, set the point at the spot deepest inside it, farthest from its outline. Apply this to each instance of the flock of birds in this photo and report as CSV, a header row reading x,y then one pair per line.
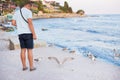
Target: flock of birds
x,y
116,55
56,59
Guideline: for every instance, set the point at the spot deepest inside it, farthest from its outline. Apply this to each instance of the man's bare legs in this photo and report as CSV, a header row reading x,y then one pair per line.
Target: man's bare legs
x,y
30,58
23,57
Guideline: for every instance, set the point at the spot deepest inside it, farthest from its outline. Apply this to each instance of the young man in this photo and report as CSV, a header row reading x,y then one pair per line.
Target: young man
x,y
26,34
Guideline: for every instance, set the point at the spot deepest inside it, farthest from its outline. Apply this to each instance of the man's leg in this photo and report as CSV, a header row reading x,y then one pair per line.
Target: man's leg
x,y
23,57
30,58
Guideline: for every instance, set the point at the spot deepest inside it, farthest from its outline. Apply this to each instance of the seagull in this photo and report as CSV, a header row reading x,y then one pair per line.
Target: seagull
x,y
54,58
73,51
64,60
51,45
38,59
64,49
67,59
91,56
116,54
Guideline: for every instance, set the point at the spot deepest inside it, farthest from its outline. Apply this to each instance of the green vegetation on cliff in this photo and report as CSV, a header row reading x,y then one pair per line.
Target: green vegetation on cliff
x,y
81,12
48,7
66,8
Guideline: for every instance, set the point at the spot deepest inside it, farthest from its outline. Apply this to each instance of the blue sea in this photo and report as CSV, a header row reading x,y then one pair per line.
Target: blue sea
x,y
97,34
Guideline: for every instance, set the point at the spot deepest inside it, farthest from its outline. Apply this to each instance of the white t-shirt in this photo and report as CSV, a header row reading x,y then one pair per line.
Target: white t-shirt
x,y
22,26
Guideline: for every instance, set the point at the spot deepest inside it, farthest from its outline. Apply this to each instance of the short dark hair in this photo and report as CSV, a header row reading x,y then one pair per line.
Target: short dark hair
x,y
25,3
29,2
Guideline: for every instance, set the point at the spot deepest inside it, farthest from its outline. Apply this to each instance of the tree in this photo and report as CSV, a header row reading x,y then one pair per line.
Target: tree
x,y
40,6
66,5
70,10
81,12
66,8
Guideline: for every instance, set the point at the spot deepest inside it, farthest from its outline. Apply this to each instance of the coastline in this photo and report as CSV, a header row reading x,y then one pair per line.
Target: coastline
x,y
57,15
71,66
3,19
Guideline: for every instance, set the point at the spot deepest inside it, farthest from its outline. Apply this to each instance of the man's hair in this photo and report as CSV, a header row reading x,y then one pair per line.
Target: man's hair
x,y
26,2
29,2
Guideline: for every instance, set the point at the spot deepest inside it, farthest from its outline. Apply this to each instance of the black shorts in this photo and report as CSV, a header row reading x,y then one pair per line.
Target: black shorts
x,y
26,41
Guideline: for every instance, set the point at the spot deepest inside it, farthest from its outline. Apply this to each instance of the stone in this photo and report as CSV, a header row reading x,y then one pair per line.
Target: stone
x,y
43,29
14,43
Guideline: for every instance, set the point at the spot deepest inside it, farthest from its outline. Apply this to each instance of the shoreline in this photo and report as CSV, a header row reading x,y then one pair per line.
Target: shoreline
x,y
3,19
6,36
70,66
48,15
57,15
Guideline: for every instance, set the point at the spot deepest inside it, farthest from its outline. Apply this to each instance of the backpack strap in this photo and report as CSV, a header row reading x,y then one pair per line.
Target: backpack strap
x,y
23,16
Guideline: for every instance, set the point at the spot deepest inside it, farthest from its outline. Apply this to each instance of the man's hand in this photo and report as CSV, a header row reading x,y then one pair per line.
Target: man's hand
x,y
34,37
13,22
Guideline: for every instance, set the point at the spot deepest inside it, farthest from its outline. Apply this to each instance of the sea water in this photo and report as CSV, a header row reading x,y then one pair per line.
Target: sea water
x,y
97,34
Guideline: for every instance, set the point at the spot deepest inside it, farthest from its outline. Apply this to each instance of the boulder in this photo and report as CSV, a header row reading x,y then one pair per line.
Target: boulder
x,y
14,43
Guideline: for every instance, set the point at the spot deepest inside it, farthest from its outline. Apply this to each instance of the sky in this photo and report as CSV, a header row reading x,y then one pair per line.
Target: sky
x,y
94,6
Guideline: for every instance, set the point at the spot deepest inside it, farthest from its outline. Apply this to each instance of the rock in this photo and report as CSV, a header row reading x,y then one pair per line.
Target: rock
x,y
7,29
43,29
40,13
14,43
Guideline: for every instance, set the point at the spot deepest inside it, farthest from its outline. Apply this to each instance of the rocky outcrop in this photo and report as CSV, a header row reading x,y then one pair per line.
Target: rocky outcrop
x,y
7,29
10,42
56,15
14,43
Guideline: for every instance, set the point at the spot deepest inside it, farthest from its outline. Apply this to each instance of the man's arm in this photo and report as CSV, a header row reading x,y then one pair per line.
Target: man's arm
x,y
30,24
13,22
